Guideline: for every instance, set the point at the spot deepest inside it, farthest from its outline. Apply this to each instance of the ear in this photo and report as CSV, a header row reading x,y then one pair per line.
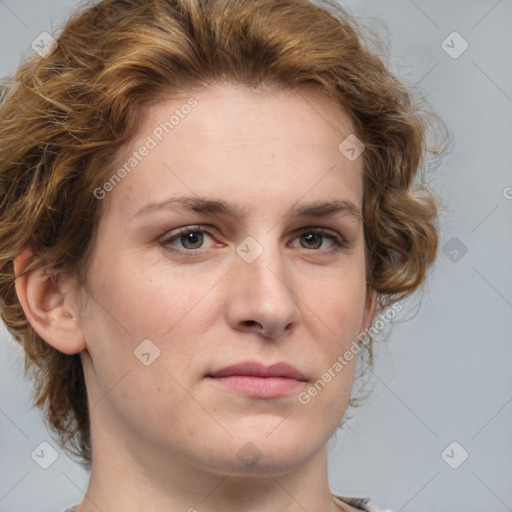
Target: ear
x,y
48,304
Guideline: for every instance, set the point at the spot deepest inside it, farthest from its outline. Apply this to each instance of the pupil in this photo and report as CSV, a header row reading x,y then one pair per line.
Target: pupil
x,y
191,238
310,238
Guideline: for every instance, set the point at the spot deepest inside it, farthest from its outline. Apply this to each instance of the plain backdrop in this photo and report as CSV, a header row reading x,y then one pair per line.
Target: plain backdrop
x,y
435,434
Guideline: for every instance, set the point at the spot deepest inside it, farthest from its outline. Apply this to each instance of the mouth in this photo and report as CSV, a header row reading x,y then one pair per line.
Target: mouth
x,y
259,381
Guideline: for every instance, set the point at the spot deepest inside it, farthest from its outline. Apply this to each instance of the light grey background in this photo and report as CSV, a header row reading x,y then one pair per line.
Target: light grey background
x,y
444,376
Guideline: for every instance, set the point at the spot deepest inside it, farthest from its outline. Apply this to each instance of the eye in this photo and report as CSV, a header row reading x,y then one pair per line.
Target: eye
x,y
313,238
191,237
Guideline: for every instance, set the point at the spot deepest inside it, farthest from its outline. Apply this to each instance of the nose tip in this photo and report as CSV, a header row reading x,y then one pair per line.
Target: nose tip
x,y
266,330
262,302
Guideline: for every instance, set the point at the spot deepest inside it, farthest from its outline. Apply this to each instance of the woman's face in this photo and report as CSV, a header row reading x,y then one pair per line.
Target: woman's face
x,y
253,280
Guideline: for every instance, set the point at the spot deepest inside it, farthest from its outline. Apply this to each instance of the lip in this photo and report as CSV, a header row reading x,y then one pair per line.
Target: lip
x,y
257,380
255,369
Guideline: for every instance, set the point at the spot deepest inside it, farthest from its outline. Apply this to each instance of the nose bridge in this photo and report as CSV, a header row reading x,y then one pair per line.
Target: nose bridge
x,y
263,262
265,291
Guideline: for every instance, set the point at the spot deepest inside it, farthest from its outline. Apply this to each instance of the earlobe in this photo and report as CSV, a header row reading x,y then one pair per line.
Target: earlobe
x,y
48,304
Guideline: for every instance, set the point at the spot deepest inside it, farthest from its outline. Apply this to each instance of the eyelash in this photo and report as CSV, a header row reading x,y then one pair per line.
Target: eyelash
x,y
339,242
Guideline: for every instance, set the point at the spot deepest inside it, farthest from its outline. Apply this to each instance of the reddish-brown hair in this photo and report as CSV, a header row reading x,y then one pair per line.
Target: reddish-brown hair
x,y
64,117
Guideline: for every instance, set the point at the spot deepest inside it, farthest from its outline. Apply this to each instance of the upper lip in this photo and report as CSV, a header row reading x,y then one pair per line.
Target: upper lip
x,y
256,369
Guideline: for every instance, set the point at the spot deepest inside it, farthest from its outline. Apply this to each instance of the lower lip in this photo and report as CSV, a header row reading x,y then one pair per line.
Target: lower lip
x,y
259,387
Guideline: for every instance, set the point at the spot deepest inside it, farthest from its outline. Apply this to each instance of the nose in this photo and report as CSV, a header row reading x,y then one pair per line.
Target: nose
x,y
262,299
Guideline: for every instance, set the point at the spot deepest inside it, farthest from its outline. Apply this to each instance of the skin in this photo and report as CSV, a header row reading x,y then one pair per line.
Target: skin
x,y
164,436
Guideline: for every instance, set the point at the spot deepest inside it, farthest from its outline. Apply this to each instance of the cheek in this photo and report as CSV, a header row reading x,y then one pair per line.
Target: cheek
x,y
123,312
337,302
130,303
139,298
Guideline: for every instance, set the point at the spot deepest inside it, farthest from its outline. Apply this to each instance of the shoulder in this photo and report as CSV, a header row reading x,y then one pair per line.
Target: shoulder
x,y
365,504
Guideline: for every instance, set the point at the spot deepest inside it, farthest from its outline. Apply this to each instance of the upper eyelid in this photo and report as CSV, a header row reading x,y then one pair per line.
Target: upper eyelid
x,y
211,230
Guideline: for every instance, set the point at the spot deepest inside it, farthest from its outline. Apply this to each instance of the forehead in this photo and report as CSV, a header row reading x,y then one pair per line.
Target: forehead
x,y
250,146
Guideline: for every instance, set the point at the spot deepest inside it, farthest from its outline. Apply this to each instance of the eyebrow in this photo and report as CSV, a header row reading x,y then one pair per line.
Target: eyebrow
x,y
220,207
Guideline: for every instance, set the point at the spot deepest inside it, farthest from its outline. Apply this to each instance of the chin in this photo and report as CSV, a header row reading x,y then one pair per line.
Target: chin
x,y
253,453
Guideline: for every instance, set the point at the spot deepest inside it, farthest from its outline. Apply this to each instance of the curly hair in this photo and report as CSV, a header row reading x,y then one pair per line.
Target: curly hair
x,y
65,116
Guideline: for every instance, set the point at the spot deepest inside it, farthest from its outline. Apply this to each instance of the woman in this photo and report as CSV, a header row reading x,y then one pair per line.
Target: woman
x,y
205,204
